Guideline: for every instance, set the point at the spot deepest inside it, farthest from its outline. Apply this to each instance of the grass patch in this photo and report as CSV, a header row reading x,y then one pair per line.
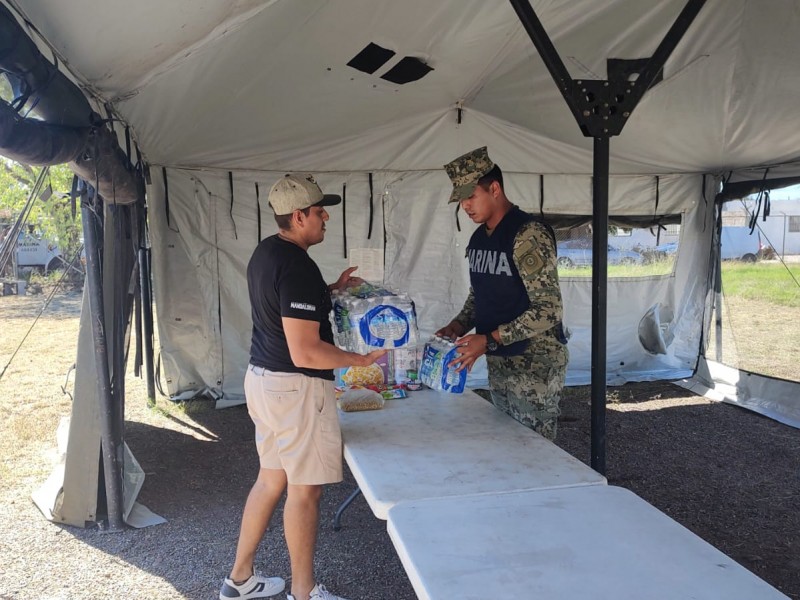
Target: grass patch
x,y
767,282
655,268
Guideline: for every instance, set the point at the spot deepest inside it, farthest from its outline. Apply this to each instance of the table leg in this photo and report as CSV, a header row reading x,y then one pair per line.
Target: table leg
x,y
338,516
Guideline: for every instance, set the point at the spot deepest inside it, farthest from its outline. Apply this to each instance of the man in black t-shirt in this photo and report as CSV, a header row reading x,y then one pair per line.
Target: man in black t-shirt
x,y
289,390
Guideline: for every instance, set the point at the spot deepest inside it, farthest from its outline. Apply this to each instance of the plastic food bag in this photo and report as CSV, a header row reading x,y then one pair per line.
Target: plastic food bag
x,y
360,399
370,375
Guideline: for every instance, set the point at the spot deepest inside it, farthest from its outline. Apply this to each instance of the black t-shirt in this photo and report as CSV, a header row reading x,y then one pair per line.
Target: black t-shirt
x,y
283,281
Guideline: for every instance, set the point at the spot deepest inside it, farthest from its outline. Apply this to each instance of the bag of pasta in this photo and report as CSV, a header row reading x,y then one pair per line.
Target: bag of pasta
x,y
356,399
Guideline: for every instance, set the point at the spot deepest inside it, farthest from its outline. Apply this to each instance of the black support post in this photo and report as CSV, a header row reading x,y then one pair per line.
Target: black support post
x,y
601,110
717,254
147,322
111,444
599,301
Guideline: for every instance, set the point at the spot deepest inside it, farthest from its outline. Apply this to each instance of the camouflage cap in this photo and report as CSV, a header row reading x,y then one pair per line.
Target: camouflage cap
x,y
295,192
466,170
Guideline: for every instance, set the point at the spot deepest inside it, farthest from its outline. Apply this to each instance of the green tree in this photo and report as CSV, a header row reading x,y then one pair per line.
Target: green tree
x,y
51,216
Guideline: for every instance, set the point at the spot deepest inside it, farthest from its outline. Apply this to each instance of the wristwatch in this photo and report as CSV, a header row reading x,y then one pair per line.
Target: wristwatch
x,y
491,345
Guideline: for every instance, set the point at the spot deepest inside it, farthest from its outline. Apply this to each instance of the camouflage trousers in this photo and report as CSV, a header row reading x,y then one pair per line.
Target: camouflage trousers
x,y
528,388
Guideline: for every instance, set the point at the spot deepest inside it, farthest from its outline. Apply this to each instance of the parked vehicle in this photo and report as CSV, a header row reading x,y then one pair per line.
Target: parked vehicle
x,y
668,249
578,253
35,252
739,244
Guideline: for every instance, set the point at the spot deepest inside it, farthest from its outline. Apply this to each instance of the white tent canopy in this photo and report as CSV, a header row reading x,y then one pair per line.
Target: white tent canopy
x,y
246,90
264,84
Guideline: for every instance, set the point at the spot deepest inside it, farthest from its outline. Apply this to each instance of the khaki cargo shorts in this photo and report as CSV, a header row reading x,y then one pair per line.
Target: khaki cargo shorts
x,y
297,425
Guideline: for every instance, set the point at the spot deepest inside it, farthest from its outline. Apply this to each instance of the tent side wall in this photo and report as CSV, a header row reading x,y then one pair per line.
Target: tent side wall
x,y
200,261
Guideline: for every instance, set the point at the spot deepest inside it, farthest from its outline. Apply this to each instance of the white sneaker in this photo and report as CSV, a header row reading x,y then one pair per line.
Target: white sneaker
x,y
257,586
319,593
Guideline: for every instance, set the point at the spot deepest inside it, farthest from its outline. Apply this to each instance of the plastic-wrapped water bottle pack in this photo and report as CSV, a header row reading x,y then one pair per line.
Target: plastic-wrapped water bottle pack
x,y
367,317
435,371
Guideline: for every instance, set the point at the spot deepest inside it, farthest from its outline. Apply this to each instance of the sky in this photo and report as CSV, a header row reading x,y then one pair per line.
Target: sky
x,y
788,193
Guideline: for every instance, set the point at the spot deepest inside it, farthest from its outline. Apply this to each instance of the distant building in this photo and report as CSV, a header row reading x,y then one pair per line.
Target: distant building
x,y
781,229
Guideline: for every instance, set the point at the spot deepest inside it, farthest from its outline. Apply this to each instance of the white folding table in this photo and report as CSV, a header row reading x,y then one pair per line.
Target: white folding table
x,y
435,445
598,542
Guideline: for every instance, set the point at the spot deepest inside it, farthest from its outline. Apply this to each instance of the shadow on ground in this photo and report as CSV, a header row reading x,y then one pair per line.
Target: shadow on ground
x,y
728,475
199,484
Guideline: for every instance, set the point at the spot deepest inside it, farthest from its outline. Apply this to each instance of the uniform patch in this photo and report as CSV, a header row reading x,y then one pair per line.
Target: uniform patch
x,y
531,265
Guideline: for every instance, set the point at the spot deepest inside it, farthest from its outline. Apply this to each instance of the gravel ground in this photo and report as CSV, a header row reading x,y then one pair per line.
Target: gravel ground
x,y
730,476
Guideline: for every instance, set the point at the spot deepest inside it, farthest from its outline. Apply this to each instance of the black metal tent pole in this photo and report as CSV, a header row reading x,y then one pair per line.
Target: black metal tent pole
x,y
601,109
110,444
599,300
147,322
717,254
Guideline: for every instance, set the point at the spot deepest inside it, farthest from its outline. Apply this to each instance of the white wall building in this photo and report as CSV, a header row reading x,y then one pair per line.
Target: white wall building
x,y
781,229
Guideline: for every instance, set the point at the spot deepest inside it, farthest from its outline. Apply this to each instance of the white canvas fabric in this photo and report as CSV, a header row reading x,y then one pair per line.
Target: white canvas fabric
x,y
204,314
264,84
259,88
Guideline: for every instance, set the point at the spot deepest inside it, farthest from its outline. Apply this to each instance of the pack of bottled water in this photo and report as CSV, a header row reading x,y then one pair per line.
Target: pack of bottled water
x,y
434,370
367,317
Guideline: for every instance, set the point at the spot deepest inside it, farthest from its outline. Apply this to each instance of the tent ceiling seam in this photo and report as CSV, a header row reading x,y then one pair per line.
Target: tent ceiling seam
x,y
222,30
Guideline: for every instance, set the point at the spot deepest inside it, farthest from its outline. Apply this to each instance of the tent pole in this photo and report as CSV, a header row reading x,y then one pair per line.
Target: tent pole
x,y
110,446
718,285
147,322
599,300
601,109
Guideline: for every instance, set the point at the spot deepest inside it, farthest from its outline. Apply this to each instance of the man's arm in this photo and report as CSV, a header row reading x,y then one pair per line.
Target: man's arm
x,y
308,351
535,259
463,322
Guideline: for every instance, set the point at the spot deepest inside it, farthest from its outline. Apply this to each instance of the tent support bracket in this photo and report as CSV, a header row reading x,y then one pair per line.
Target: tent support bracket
x,y
601,109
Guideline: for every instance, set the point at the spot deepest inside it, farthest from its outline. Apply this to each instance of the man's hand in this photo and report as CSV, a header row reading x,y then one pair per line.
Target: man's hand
x,y
345,280
451,331
366,360
470,348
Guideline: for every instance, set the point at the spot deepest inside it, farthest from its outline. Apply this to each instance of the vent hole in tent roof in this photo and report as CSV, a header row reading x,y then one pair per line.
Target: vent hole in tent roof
x,y
407,70
371,58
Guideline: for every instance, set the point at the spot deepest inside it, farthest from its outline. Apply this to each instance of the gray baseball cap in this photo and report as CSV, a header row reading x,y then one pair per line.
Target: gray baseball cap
x,y
298,191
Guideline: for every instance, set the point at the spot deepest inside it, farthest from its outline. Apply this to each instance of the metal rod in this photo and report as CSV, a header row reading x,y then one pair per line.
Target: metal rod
x,y
599,301
547,52
147,322
337,518
137,318
718,286
668,44
121,277
110,445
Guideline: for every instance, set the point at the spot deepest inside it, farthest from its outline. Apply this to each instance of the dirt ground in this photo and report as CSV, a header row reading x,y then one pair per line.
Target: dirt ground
x,y
730,476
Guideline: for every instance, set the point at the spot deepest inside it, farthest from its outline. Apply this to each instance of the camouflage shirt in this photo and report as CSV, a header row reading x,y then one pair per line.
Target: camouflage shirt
x,y
535,259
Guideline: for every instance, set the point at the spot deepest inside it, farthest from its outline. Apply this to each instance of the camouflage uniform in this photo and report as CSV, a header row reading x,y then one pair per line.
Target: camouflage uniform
x,y
526,386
